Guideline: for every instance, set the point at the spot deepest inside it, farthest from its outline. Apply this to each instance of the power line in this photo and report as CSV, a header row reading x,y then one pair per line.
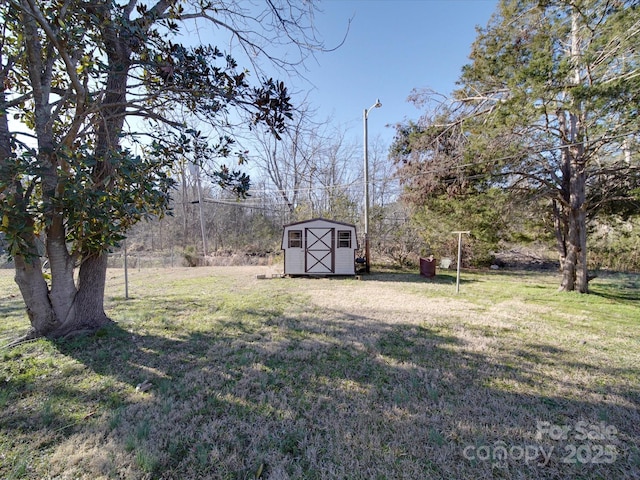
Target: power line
x,y
253,205
394,190
532,150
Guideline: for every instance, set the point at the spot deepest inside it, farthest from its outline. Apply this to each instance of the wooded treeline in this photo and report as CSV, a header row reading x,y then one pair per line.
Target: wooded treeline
x,y
317,172
538,146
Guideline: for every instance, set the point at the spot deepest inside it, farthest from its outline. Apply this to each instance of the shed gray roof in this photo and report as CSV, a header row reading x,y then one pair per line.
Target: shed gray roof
x,y
319,219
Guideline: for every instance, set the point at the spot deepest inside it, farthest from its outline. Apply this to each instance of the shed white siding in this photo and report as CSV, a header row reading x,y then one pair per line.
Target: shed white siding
x,y
319,247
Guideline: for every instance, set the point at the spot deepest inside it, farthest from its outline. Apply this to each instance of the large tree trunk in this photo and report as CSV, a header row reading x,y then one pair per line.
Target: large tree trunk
x,y
85,314
578,235
574,175
63,308
61,264
573,244
574,267
561,230
35,293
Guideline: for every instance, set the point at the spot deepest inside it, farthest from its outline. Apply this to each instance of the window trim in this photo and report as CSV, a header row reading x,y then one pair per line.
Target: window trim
x,y
344,242
294,239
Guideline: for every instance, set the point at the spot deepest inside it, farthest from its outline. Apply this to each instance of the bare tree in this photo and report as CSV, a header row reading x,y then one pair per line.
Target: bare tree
x,y
312,168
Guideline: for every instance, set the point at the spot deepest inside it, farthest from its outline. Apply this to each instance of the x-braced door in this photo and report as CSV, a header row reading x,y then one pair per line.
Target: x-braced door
x,y
319,250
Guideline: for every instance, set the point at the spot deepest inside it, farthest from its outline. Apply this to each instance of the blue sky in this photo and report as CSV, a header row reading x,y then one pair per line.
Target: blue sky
x,y
393,46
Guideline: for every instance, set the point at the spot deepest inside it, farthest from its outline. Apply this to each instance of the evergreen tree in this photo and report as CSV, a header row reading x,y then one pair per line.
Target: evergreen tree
x,y
549,106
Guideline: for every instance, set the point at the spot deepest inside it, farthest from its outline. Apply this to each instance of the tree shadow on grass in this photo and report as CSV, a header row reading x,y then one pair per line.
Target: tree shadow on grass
x,y
621,288
322,393
441,278
624,295
11,305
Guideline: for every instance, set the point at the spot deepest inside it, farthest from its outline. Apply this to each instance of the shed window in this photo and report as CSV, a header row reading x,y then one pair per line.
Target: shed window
x,y
295,238
344,239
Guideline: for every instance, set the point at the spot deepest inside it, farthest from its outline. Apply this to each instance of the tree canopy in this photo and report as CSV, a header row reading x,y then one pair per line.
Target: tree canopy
x,y
548,106
98,101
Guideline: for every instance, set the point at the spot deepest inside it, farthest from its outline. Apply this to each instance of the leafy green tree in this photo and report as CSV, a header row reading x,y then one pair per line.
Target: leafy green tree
x,y
548,107
95,106
449,189
482,214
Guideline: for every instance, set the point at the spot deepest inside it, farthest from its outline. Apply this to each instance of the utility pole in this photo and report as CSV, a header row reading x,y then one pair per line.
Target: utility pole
x,y
126,272
202,227
365,116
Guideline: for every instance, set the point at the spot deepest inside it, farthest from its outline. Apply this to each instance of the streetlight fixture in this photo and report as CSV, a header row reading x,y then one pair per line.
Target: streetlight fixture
x,y
366,186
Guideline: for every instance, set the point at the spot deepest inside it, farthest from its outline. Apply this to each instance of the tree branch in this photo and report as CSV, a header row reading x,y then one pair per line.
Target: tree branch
x,y
53,38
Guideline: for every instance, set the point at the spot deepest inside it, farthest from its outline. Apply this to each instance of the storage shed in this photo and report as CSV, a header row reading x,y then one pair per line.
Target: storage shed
x,y
319,247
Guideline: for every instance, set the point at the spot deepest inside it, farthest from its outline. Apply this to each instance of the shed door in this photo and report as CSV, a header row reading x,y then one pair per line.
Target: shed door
x,y
319,250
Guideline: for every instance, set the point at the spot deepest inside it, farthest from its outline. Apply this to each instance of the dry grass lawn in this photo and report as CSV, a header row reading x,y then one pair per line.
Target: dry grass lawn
x,y
390,377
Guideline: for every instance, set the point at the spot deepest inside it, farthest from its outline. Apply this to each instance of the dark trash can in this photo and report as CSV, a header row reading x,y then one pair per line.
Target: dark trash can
x,y
428,267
